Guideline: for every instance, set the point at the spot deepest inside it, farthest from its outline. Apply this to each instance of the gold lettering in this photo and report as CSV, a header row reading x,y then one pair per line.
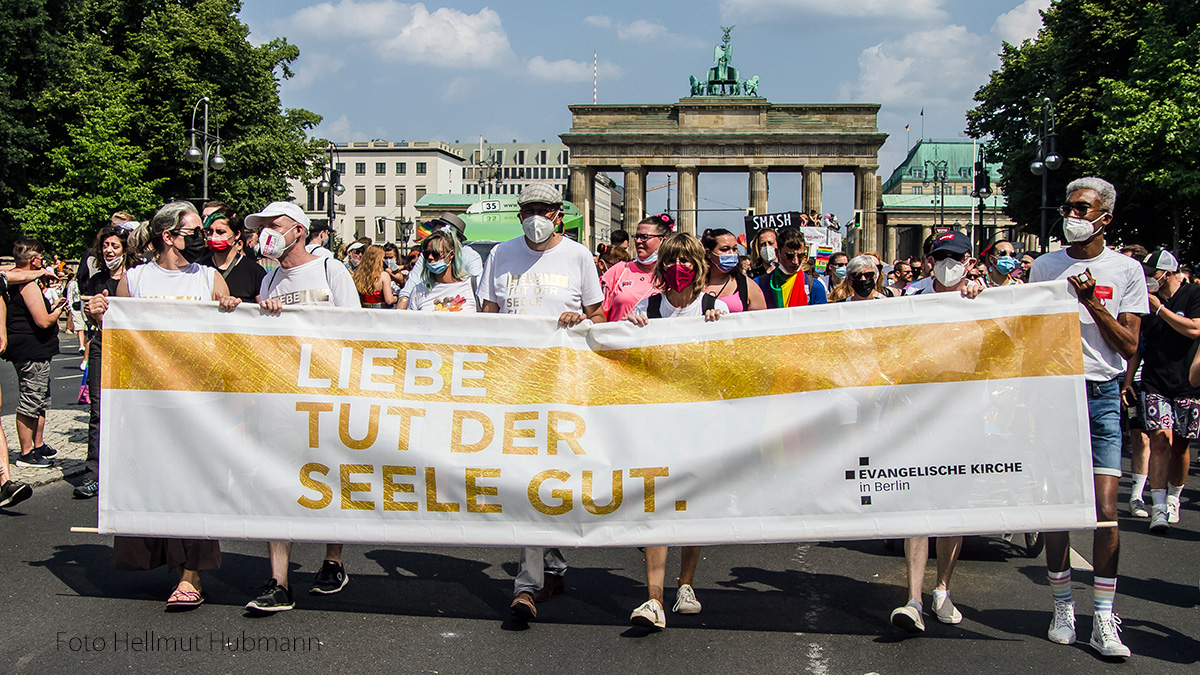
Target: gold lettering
x,y
456,425
511,432
589,502
349,488
406,418
475,491
648,475
390,488
313,410
431,502
344,428
554,434
561,494
307,481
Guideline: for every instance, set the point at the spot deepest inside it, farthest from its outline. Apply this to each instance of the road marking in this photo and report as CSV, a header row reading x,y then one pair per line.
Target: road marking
x,y
1078,562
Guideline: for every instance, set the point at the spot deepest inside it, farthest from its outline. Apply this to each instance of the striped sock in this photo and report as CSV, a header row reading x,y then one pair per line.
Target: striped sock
x,y
1103,593
1060,585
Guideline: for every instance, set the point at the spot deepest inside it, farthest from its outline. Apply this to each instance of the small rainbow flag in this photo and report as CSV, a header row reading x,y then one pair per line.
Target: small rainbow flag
x,y
823,253
423,230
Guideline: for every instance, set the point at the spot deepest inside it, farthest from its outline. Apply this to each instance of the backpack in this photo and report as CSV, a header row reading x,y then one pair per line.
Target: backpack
x,y
654,306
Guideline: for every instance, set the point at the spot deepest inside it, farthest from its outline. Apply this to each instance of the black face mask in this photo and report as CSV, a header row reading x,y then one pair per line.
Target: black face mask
x,y
194,246
862,287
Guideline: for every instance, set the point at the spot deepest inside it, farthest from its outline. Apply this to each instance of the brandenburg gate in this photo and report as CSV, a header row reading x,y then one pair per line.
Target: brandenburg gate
x,y
725,126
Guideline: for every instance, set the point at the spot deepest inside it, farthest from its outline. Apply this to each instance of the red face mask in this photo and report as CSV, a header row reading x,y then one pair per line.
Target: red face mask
x,y
219,245
678,277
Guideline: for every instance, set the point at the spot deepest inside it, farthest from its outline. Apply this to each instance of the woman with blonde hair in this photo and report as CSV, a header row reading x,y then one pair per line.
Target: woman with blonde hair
x,y
680,276
861,282
445,283
374,284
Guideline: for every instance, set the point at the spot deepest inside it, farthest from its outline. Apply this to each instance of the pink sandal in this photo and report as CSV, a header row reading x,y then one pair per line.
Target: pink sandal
x,y
184,599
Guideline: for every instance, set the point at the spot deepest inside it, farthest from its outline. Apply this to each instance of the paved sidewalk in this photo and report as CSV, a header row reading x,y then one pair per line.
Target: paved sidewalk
x,y
66,429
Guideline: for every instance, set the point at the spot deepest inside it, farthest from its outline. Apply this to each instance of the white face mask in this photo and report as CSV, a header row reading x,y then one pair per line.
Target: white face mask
x,y
1079,229
650,259
537,228
1152,284
273,244
114,263
767,253
949,272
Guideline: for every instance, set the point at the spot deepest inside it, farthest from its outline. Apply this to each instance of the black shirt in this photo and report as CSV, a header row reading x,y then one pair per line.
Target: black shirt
x,y
243,276
26,341
1168,355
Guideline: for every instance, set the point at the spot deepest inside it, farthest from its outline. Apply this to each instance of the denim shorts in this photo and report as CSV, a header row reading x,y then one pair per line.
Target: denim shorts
x,y
1104,418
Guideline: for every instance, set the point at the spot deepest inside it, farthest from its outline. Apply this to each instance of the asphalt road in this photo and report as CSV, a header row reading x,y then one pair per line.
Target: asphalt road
x,y
818,608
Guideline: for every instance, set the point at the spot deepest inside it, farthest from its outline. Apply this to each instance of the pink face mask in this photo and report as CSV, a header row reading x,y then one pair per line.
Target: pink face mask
x,y
678,277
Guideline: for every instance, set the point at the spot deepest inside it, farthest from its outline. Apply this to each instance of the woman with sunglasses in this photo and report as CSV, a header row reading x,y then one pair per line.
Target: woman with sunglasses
x,y
445,284
725,278
626,284
861,282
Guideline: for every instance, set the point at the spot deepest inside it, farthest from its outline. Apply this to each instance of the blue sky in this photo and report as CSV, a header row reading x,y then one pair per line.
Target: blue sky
x,y
457,70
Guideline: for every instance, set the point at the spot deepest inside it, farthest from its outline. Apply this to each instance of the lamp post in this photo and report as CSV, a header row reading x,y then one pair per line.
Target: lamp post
x,y
1047,160
488,169
940,174
332,185
982,190
211,142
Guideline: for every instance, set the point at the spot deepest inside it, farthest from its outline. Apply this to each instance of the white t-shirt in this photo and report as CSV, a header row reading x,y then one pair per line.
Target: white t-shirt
x,y
1120,287
323,281
669,311
919,286
455,297
471,261
319,251
541,283
194,282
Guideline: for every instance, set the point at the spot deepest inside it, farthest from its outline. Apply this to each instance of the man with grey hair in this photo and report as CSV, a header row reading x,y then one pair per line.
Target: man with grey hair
x,y
1111,289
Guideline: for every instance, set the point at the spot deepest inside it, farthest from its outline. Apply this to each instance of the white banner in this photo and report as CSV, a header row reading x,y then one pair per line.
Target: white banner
x,y
933,414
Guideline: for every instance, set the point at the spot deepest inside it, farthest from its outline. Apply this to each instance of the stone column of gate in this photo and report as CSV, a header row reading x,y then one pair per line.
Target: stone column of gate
x,y
583,185
635,196
812,189
889,242
864,198
758,188
687,198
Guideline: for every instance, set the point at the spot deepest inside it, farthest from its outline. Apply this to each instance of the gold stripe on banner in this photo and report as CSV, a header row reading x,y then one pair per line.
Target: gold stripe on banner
x,y
1000,348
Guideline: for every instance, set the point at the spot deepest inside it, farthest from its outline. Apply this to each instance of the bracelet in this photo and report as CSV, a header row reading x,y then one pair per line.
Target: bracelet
x,y
1159,310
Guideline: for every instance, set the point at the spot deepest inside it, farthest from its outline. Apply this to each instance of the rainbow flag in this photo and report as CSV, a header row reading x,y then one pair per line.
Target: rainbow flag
x,y
823,253
423,230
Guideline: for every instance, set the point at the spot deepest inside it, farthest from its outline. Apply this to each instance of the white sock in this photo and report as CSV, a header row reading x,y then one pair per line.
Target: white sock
x,y
1139,483
917,604
1174,490
940,595
1158,497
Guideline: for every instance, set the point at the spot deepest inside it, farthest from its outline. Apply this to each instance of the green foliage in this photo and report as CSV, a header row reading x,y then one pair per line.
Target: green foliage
x,y
153,60
1117,72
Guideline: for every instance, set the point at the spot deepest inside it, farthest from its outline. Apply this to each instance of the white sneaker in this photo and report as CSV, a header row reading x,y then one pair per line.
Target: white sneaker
x,y
1106,637
685,601
1159,517
908,618
1062,626
1137,508
945,611
649,615
1172,509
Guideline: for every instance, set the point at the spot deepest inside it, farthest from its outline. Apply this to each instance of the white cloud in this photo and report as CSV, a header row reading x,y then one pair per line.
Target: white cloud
x,y
313,68
400,32
599,21
566,70
338,130
1020,23
772,10
642,30
936,66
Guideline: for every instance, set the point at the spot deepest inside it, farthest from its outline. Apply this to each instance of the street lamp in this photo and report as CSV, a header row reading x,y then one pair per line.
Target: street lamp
x,y
332,185
210,142
1047,160
940,174
982,189
488,169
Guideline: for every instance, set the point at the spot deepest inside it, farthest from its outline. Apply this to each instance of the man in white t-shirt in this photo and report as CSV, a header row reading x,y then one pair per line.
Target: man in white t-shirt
x,y
318,236
541,274
301,279
1112,299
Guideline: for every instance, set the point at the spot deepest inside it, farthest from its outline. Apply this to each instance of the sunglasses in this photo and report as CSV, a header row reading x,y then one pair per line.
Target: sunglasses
x,y
1077,208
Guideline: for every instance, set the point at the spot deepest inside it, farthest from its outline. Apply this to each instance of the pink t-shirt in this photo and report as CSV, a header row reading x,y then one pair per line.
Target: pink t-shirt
x,y
625,285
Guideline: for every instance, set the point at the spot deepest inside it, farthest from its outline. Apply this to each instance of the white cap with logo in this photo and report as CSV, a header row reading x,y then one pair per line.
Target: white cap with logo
x,y
274,210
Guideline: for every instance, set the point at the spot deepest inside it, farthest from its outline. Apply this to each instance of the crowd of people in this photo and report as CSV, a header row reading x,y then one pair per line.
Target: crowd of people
x,y
1139,314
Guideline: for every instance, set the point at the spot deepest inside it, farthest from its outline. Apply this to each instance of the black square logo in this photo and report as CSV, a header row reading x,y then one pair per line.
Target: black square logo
x,y
849,475
866,501
864,461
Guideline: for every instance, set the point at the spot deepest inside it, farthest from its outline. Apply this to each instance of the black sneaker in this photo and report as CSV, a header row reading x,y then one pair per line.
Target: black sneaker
x,y
46,451
14,492
331,579
33,460
87,490
272,598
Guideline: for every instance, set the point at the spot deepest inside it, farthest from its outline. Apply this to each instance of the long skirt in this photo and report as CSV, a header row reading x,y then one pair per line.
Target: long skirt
x,y
147,553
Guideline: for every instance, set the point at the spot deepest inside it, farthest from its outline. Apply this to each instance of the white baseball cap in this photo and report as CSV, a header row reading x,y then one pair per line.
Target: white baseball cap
x,y
274,210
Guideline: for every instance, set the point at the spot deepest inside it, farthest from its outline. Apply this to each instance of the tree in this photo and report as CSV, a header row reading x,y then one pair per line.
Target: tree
x,y
1084,48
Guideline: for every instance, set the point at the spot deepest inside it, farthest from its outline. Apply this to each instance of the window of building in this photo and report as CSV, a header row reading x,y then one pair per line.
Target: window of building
x,y
341,167
966,190
420,168
311,201
499,155
917,173
321,200
918,190
542,157
360,228
380,195
401,168
380,168
420,192
360,168
400,198
520,157
360,196
566,156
